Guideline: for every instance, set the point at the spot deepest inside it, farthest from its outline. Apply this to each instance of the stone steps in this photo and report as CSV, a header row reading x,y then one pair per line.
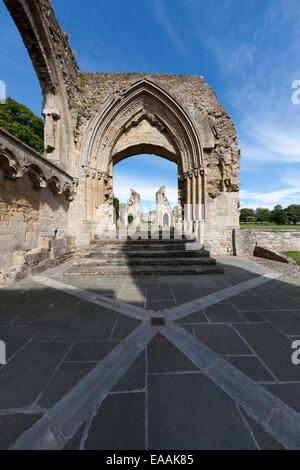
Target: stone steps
x,y
141,261
146,242
85,270
142,257
121,255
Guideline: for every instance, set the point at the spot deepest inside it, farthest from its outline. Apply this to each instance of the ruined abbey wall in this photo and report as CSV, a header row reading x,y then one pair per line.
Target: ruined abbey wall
x,y
33,229
49,203
217,134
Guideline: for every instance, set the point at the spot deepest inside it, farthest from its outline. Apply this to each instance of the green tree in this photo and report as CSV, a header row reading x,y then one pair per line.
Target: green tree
x,y
279,216
245,213
262,215
22,123
293,213
116,204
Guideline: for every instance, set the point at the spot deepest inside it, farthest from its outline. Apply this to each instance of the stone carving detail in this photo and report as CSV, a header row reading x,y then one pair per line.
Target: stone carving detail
x,y
143,100
23,160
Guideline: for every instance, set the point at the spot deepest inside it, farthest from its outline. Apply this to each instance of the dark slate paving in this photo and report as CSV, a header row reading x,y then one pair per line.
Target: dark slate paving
x,y
124,327
64,379
134,378
202,292
105,291
223,312
164,357
16,337
264,439
187,328
285,321
285,302
90,351
222,339
288,393
25,376
61,313
194,318
184,293
119,423
88,326
74,443
133,296
246,302
158,305
254,317
252,367
13,425
146,281
239,274
272,347
188,411
159,293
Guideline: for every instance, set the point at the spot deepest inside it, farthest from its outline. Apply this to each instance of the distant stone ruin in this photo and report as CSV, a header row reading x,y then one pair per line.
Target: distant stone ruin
x,y
164,213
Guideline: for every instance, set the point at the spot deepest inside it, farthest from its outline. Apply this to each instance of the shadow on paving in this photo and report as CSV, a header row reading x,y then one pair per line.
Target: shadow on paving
x,y
55,339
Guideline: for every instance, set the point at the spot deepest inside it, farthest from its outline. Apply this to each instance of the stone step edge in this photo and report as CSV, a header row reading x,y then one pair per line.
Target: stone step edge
x,y
191,261
153,270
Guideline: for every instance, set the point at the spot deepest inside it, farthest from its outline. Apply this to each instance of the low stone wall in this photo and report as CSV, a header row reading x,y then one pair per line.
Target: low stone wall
x,y
278,240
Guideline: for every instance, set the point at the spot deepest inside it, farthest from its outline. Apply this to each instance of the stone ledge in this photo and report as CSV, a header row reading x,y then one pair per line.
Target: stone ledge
x,y
266,253
18,159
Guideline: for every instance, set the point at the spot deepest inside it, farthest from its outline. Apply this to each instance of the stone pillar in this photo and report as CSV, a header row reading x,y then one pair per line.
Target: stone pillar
x,y
194,193
189,195
89,195
51,127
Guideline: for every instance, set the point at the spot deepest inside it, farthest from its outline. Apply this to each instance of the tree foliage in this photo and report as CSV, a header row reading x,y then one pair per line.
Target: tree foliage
x,y
279,215
293,213
262,215
245,213
21,122
116,204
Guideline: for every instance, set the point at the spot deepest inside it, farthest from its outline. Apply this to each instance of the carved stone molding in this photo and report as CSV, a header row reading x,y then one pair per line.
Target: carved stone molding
x,y
18,159
143,100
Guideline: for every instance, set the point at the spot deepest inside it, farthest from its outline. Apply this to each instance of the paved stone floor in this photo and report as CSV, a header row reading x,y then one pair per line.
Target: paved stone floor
x,y
91,366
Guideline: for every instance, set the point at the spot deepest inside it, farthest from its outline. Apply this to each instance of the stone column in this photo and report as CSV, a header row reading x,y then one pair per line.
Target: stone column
x,y
194,194
51,127
189,195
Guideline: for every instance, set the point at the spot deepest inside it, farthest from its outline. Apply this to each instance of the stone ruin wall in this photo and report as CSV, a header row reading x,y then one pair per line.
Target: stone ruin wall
x,y
221,163
34,231
245,240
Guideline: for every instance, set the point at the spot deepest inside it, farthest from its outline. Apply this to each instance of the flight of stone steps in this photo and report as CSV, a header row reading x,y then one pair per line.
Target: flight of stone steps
x,y
142,257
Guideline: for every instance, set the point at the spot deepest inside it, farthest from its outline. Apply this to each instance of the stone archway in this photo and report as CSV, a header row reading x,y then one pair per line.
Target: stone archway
x,y
145,118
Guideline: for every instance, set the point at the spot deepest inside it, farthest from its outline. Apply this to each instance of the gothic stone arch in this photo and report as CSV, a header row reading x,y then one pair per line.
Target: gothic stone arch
x,y
145,118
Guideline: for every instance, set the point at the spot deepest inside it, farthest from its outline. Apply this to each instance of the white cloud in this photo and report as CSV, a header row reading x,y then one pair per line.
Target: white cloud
x,y
168,27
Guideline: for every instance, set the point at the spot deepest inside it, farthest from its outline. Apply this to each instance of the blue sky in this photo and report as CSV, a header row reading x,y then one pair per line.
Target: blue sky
x,y
248,52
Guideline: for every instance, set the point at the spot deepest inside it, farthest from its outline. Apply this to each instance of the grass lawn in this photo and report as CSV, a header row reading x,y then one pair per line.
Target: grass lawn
x,y
270,226
293,254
